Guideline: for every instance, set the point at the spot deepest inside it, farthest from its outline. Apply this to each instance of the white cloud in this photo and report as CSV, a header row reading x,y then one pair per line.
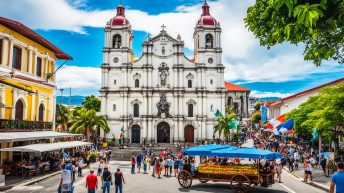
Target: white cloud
x,y
259,94
78,77
243,57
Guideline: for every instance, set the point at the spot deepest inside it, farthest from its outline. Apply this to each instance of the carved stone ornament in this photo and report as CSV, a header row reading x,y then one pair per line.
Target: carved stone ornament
x,y
190,76
163,106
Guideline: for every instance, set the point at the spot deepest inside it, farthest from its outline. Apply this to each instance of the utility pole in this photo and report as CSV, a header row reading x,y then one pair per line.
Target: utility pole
x,y
61,89
70,95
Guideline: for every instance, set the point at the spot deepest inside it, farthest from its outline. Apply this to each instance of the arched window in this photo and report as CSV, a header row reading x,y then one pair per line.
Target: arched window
x,y
229,101
116,41
19,110
163,50
41,113
114,107
208,41
189,83
211,81
136,110
114,82
190,110
137,83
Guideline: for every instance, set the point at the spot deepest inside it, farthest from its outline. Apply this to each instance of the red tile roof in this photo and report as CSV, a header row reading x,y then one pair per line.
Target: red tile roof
x,y
234,87
306,92
27,32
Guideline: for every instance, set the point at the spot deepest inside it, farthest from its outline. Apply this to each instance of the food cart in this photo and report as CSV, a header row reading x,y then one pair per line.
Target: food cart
x,y
240,176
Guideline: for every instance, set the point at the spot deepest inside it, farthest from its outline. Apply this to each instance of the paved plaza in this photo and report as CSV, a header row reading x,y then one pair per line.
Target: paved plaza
x,y
145,183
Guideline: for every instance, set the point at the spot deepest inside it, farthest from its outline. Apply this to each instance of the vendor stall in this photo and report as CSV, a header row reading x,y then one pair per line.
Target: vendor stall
x,y
241,176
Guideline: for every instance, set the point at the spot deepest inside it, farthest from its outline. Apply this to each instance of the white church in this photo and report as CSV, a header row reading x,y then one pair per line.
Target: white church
x,y
164,96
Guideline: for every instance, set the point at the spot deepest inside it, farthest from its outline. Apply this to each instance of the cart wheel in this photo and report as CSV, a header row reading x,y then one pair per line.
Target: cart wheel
x,y
203,180
240,183
185,179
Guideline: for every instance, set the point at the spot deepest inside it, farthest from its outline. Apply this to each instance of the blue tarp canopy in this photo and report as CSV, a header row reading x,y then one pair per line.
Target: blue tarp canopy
x,y
204,150
251,153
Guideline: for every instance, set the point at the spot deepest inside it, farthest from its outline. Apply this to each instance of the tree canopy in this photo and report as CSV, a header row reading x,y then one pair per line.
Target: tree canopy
x,y
85,120
224,122
62,116
318,24
256,117
92,102
324,111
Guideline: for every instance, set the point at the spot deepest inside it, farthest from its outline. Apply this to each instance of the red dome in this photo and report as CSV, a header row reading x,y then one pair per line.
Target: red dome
x,y
206,18
119,19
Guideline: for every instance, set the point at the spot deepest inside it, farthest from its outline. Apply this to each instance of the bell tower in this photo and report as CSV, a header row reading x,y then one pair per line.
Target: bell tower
x,y
207,39
118,40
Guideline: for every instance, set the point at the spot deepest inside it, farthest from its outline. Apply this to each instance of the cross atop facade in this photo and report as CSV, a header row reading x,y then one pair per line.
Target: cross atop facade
x,y
163,27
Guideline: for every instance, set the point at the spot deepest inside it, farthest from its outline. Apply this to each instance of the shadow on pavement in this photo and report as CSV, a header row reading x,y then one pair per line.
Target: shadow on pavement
x,y
220,187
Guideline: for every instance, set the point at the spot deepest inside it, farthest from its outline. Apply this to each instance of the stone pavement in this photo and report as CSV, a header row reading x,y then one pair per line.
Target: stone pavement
x,y
319,179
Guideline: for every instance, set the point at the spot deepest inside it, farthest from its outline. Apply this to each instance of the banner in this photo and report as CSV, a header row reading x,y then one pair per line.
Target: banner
x,y
264,113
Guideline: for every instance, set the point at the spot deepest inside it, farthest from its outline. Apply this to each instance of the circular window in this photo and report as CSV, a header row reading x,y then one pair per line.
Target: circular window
x,y
115,59
210,60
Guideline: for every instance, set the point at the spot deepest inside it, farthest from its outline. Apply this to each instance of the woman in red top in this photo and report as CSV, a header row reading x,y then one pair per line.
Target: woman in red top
x,y
133,162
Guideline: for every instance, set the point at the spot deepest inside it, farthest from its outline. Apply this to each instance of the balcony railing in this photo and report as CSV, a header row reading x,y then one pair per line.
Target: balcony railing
x,y
21,125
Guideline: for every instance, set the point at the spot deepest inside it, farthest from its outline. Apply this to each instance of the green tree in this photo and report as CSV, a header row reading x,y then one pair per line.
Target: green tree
x,y
318,24
223,126
256,117
62,116
324,111
86,120
257,107
92,102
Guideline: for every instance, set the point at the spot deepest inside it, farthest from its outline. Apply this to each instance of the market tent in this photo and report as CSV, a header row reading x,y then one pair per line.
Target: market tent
x,y
204,150
252,153
43,147
32,135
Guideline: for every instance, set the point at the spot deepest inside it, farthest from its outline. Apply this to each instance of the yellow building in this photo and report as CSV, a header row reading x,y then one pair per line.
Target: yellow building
x,y
27,80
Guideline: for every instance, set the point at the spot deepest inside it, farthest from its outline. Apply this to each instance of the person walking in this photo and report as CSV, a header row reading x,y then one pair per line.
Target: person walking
x,y
100,168
170,164
338,179
158,165
91,182
138,162
166,167
290,162
153,164
133,162
145,163
175,166
119,181
107,179
308,171
323,163
66,181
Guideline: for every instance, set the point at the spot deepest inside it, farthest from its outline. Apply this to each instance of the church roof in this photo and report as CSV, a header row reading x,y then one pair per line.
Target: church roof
x,y
30,34
233,87
206,18
119,19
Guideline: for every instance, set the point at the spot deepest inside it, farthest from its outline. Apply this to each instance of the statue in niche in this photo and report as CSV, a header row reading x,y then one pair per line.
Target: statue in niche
x,y
163,69
163,106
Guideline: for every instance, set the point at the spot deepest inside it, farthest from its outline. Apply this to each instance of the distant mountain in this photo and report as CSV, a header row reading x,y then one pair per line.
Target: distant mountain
x,y
272,99
74,100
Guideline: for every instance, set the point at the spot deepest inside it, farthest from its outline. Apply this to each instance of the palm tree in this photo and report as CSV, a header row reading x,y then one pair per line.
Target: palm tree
x,y
62,116
85,120
222,127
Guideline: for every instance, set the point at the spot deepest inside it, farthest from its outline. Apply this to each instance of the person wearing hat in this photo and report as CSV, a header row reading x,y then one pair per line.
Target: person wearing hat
x,y
106,179
91,182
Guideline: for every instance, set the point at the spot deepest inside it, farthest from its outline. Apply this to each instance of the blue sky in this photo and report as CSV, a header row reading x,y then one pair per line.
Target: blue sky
x,y
76,26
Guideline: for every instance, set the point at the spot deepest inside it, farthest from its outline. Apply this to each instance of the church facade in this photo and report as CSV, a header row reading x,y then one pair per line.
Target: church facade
x,y
163,96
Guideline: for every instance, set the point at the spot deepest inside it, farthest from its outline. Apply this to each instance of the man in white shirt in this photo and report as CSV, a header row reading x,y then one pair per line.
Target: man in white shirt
x,y
66,181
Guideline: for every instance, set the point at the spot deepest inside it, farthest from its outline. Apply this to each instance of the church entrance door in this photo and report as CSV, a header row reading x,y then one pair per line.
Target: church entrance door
x,y
163,133
135,134
189,134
